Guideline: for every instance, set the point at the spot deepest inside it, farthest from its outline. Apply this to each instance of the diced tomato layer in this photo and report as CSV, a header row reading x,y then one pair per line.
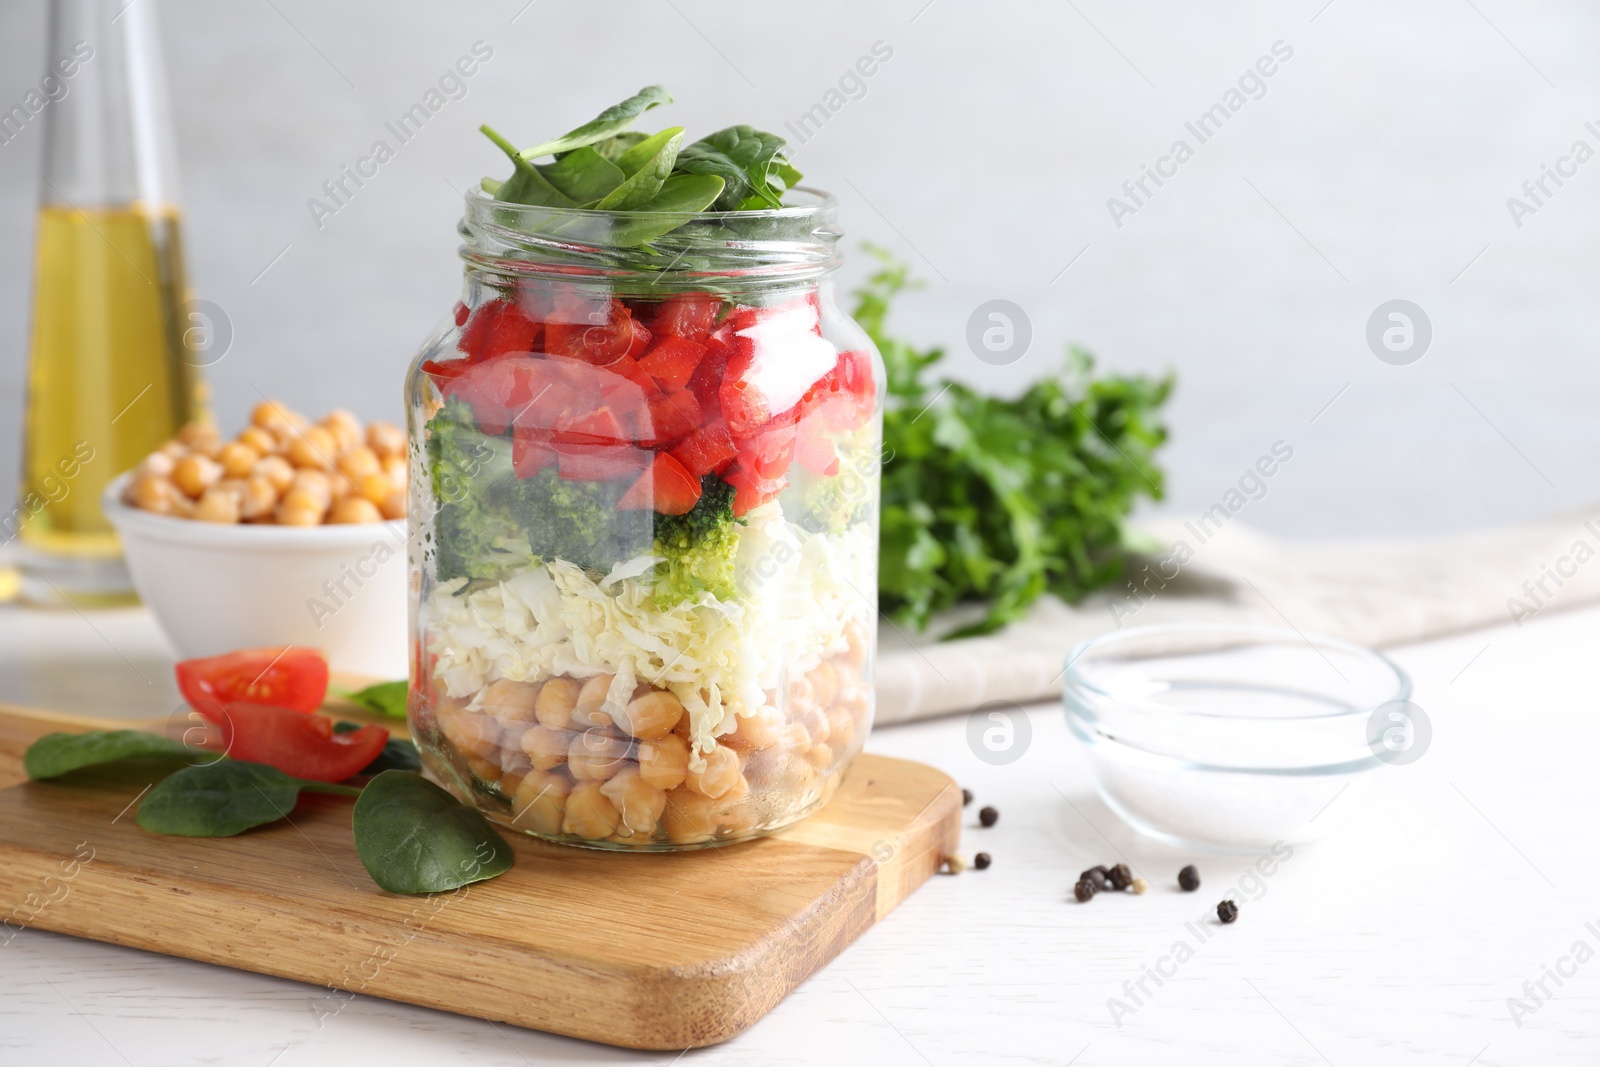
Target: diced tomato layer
x,y
598,463
750,491
597,427
768,453
305,746
461,313
596,334
778,356
287,676
530,453
707,450
690,316
815,449
498,328
520,388
672,361
672,417
664,487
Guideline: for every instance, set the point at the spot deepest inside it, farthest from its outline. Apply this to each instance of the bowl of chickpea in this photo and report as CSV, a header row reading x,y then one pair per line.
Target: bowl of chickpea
x,y
292,532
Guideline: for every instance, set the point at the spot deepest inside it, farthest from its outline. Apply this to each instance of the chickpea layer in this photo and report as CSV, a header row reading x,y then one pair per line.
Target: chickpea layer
x,y
569,763
281,469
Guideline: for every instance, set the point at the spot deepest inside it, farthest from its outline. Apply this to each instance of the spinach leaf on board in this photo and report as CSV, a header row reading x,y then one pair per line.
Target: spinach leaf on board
x,y
385,698
647,165
612,120
743,156
999,500
224,798
414,837
55,754
583,175
399,754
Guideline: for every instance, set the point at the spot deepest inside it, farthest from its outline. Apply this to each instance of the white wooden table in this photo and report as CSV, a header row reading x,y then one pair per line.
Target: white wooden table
x,y
1401,940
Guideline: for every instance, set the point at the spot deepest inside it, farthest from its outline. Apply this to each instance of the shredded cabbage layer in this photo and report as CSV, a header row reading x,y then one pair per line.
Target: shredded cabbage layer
x,y
796,594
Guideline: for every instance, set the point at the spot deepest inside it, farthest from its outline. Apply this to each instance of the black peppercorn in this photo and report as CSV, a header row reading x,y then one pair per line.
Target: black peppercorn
x,y
1097,875
966,797
1227,911
1189,879
988,816
981,861
1119,876
1084,890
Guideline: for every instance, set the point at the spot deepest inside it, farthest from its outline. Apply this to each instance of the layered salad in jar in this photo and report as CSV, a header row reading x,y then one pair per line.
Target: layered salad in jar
x,y
649,540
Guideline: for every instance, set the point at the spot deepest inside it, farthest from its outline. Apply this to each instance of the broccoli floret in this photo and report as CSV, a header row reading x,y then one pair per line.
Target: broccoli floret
x,y
491,523
698,547
579,521
471,536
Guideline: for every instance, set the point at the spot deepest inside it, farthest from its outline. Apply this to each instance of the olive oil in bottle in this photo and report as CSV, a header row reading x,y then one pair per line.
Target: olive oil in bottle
x,y
111,374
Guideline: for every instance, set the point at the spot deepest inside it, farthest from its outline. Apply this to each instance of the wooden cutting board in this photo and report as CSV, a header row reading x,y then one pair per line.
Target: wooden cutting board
x,y
650,951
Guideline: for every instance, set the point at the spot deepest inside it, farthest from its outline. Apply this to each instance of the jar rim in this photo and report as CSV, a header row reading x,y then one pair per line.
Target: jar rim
x,y
766,247
821,203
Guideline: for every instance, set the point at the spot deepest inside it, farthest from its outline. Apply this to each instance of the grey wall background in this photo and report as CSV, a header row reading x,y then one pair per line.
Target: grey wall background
x,y
1376,166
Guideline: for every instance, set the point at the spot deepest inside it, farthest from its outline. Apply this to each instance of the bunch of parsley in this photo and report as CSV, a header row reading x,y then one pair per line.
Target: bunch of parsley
x,y
1000,500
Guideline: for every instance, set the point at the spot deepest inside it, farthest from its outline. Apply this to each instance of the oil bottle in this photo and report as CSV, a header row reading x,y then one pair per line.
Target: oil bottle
x,y
116,343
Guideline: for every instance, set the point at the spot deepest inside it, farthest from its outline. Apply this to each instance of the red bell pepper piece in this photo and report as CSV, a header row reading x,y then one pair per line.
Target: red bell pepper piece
x,y
673,416
672,361
777,357
690,316
750,491
708,449
664,487
498,328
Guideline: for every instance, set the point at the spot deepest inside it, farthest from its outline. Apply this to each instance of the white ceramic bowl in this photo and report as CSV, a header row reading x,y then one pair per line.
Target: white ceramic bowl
x,y
216,588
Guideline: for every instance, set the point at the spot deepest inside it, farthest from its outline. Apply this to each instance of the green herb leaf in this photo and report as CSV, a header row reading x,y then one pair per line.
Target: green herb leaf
x,y
743,157
55,754
1000,500
612,120
526,185
647,165
583,175
224,798
385,698
414,837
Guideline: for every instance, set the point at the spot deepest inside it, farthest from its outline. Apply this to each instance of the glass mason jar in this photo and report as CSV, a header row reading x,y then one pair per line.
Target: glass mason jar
x,y
644,524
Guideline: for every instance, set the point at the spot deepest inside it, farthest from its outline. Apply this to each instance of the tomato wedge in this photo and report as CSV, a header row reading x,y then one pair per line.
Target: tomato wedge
x,y
286,677
665,487
305,746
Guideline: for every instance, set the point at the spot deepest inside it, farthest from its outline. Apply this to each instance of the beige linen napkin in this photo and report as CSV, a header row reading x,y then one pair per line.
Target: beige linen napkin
x,y
1377,592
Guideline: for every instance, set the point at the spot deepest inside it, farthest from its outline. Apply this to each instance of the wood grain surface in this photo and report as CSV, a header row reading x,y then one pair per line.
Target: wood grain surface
x,y
653,951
